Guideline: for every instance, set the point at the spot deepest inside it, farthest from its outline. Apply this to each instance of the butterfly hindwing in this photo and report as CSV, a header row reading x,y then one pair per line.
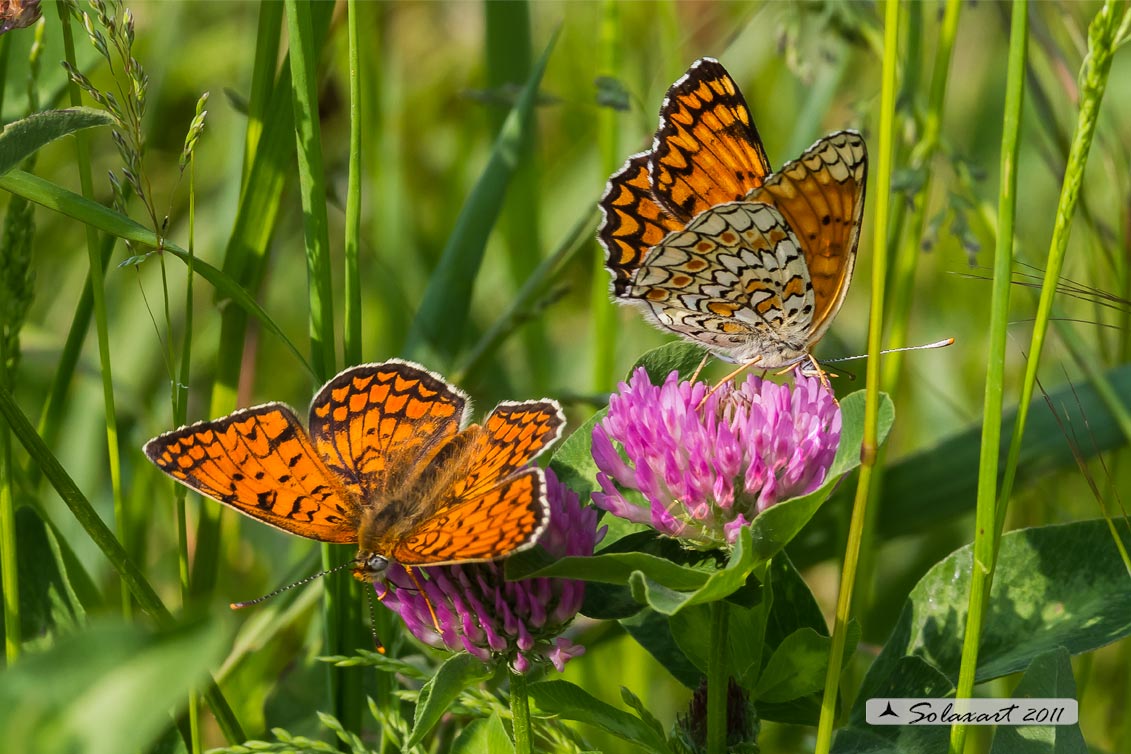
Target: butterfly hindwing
x,y
821,197
261,462
737,276
507,518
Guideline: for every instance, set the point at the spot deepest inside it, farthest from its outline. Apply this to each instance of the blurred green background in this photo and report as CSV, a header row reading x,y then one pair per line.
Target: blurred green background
x,y
437,81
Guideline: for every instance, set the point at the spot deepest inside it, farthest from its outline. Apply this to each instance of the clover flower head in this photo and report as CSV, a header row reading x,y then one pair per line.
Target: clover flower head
x,y
482,613
707,464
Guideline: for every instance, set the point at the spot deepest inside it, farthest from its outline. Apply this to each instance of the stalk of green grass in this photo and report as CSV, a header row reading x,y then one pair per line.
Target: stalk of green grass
x,y
351,345
269,145
9,554
94,257
101,535
604,335
902,279
995,370
180,417
1103,37
509,62
882,193
717,680
341,619
520,713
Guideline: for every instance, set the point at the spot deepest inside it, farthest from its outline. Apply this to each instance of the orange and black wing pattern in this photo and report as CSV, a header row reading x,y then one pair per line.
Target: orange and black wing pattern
x,y
508,518
481,500
512,436
261,462
633,221
706,151
821,196
378,424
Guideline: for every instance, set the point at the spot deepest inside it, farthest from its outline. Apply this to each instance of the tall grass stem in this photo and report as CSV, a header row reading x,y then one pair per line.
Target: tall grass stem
x,y
351,346
83,160
882,192
995,371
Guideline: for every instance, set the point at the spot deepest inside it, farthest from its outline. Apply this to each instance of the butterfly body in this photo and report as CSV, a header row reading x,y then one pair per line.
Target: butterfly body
x,y
713,246
385,465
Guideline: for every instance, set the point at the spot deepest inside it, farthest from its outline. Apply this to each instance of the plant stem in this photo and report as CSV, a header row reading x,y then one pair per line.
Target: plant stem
x,y
352,335
872,383
1103,34
717,678
604,335
82,150
520,714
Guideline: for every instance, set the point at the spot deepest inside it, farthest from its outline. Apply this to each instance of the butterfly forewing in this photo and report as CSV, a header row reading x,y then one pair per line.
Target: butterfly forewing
x,y
821,197
633,221
378,424
261,462
706,150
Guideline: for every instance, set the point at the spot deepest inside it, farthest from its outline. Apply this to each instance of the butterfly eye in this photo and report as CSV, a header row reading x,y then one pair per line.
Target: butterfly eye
x,y
370,566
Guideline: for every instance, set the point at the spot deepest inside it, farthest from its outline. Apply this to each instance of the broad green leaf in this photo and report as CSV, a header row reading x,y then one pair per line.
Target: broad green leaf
x,y
939,484
571,702
796,668
106,690
438,329
775,527
459,672
671,357
22,138
912,677
633,701
1054,586
47,601
573,462
484,736
653,632
1049,676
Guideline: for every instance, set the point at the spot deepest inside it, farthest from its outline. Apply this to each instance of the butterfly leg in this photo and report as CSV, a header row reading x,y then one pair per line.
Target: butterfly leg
x,y
428,602
698,369
742,368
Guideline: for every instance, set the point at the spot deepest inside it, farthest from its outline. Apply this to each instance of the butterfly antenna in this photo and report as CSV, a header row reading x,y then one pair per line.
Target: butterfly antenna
x,y
937,344
372,599
300,582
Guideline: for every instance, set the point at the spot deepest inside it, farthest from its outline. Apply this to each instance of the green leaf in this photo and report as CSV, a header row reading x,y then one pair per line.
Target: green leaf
x,y
632,700
106,690
571,702
437,330
484,736
56,198
939,484
573,462
22,138
679,356
653,632
775,527
1054,586
458,673
796,668
1049,676
913,677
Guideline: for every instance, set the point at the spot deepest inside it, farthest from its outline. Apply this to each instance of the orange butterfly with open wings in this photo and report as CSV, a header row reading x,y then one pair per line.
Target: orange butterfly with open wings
x,y
713,246
387,464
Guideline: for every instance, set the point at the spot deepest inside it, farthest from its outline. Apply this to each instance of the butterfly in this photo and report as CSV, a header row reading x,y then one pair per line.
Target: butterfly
x,y
712,245
387,464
